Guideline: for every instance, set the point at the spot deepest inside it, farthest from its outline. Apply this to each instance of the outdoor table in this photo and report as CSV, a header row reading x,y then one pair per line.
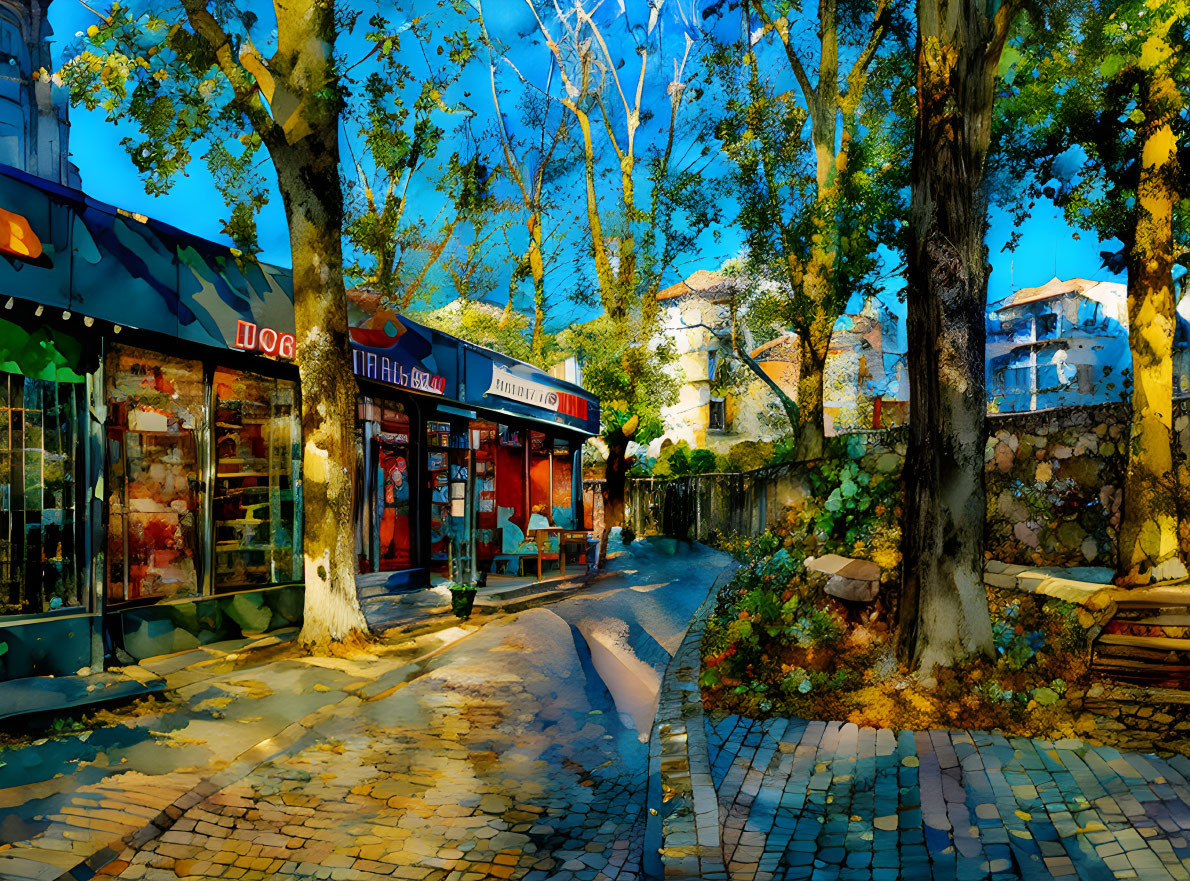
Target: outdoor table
x,y
541,536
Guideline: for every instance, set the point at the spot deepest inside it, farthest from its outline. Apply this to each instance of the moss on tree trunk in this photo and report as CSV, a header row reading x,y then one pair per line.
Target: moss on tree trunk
x,y
1149,522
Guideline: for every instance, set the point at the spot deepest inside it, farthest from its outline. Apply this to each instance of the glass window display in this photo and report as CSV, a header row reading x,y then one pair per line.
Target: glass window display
x,y
393,485
154,405
257,436
39,439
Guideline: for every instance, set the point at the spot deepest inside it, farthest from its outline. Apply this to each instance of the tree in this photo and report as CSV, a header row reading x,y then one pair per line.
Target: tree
x,y
1114,85
943,607
632,242
819,168
197,77
485,324
400,118
530,172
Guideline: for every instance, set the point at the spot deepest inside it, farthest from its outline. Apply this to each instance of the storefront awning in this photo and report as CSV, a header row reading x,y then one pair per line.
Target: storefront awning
x,y
64,250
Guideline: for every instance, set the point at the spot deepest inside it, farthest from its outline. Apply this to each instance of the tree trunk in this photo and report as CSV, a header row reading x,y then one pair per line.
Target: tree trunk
x,y
537,269
812,351
615,478
1148,544
308,179
943,610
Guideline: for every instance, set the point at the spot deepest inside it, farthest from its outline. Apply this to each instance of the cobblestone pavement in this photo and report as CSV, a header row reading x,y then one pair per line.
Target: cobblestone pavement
x,y
819,800
516,754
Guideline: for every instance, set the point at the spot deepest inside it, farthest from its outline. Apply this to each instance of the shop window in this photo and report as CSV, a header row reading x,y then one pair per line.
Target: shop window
x,y
393,475
563,468
438,477
484,436
257,438
39,439
154,404
540,476
511,519
717,418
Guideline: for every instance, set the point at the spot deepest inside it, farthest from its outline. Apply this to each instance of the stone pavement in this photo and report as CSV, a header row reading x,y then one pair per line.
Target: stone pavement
x,y
513,753
760,800
829,800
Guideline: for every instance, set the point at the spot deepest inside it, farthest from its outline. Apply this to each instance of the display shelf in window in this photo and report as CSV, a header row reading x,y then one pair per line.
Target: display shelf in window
x,y
255,499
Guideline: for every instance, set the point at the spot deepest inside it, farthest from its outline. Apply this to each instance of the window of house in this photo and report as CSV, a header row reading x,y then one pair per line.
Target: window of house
x,y
39,439
257,438
155,402
718,415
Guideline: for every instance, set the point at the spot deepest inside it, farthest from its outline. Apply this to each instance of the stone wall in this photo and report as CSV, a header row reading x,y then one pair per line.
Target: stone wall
x,y
1054,481
1054,488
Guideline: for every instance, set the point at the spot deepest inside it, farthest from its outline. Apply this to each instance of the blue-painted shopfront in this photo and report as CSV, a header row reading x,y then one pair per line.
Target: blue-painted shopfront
x,y
464,452
150,485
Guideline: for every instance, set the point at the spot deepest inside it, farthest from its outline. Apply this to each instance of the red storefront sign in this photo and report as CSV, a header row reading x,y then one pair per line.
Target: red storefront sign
x,y
250,338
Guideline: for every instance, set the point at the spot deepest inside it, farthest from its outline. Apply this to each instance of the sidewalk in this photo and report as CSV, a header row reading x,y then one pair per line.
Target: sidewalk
x,y
392,614
69,809
794,799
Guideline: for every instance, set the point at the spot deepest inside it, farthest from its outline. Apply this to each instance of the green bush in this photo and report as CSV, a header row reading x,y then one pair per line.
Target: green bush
x,y
673,461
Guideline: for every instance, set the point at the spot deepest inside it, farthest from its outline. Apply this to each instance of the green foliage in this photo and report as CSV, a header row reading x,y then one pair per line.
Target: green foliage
x,y
767,609
153,70
409,105
1072,105
703,462
673,461
678,460
630,380
801,218
483,324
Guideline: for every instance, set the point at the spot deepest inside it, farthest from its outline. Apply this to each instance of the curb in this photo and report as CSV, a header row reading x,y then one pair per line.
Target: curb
x,y
442,619
682,823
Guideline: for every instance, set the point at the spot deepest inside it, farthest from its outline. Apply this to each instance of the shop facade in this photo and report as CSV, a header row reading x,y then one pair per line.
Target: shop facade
x,y
150,442
149,455
463,453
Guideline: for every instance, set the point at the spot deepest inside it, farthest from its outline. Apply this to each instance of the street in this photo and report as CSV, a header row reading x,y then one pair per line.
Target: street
x,y
518,752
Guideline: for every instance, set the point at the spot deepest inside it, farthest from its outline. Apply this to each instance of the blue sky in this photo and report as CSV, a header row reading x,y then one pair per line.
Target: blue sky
x,y
1048,246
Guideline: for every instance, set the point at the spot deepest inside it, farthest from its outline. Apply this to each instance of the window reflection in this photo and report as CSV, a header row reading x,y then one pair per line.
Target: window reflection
x,y
39,439
256,438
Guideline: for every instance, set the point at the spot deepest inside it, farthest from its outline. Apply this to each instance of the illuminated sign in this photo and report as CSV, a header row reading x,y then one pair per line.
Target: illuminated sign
x,y
385,369
250,338
508,385
17,237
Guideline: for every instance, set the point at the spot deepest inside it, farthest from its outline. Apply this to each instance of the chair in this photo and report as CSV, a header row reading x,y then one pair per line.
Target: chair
x,y
548,550
514,547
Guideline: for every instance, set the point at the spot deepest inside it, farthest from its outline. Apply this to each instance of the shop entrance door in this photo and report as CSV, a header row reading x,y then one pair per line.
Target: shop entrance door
x,y
391,454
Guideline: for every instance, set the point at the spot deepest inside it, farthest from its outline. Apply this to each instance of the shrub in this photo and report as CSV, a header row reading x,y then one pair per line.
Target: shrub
x,y
703,462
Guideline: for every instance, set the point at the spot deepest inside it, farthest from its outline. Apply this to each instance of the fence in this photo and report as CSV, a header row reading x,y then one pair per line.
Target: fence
x,y
698,505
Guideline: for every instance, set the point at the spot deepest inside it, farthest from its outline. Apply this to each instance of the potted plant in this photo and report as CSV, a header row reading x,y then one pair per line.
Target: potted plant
x,y
462,599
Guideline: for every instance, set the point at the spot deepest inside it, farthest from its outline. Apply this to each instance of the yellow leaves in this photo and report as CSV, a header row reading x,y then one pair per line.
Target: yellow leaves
x,y
1160,147
629,427
1155,51
318,686
93,31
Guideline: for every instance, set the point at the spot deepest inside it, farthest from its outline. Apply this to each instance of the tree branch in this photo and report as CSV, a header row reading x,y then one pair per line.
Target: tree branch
x,y
247,75
781,27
